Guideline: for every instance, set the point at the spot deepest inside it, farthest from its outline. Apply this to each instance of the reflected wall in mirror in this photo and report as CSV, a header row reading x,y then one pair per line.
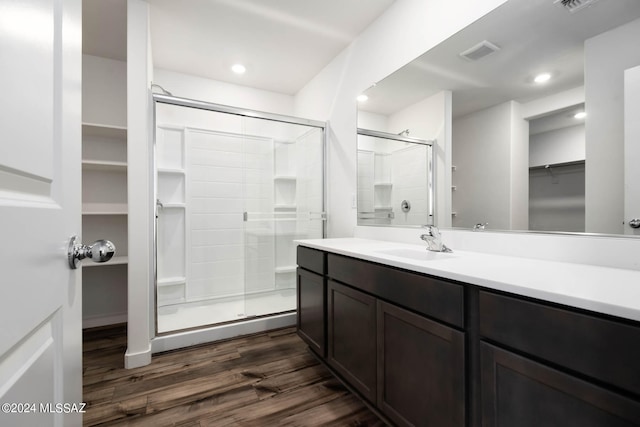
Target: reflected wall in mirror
x,y
511,151
395,177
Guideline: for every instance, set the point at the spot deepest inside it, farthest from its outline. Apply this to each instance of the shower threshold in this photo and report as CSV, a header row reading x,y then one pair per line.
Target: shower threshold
x,y
223,310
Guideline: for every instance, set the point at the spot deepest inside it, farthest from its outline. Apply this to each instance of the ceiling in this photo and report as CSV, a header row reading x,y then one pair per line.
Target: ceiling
x,y
534,36
282,43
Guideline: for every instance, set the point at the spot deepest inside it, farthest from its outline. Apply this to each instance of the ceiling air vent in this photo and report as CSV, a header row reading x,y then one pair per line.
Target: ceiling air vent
x,y
574,5
482,49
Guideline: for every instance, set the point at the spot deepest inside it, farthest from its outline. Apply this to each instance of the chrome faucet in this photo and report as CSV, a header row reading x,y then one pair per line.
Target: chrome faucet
x,y
433,239
480,226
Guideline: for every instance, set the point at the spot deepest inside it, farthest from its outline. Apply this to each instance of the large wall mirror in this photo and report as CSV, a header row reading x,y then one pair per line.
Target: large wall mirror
x,y
533,110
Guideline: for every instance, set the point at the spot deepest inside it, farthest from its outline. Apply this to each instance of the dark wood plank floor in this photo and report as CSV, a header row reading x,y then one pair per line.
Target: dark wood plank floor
x,y
269,379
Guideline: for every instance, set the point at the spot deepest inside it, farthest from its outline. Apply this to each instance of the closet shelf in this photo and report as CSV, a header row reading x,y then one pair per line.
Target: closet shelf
x,y
102,165
173,206
104,131
116,260
383,184
105,209
284,206
285,269
285,178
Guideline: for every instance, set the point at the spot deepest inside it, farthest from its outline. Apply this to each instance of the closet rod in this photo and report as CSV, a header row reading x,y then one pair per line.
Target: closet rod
x,y
557,165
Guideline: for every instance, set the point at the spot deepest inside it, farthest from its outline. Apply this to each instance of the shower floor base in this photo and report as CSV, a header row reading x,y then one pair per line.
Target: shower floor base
x,y
219,310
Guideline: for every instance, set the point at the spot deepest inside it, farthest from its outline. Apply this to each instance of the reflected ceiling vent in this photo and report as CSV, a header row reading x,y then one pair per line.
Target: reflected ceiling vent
x,y
482,49
574,5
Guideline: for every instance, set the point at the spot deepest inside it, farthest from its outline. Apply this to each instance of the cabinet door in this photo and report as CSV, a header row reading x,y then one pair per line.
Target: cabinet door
x,y
352,337
420,369
517,391
311,310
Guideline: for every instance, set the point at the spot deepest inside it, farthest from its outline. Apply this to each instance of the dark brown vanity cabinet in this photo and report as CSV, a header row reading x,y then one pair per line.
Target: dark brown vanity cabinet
x,y
430,352
421,380
406,364
553,366
312,299
352,337
518,391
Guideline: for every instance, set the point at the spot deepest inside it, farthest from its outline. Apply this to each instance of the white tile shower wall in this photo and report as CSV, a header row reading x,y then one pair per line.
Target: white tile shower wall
x,y
409,177
227,173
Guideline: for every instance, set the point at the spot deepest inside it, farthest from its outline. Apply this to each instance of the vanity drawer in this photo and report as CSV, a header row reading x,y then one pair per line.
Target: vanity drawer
x,y
312,259
600,348
431,297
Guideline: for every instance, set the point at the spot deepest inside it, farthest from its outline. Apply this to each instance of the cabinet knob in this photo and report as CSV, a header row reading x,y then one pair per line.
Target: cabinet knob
x,y
634,223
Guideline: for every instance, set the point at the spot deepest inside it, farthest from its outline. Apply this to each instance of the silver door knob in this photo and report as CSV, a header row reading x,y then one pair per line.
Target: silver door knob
x,y
634,223
99,251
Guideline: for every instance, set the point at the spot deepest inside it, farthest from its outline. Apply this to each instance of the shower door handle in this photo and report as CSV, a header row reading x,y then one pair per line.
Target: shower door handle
x,y
99,251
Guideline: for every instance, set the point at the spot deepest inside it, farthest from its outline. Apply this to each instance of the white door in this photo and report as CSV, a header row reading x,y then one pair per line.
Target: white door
x,y
40,133
631,149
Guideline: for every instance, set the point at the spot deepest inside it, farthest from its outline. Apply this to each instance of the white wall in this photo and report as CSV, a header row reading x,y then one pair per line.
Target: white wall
x,y
491,176
557,146
405,31
481,156
372,121
519,174
202,89
104,96
606,58
140,327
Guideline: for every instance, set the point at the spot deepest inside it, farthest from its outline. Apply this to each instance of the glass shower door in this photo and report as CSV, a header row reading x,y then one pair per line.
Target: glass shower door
x,y
290,207
233,193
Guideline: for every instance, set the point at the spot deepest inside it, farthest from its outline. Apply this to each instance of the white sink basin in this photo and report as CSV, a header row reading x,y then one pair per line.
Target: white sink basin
x,y
417,254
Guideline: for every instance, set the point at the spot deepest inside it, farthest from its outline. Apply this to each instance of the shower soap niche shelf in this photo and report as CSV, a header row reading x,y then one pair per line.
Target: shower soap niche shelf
x,y
171,281
285,269
171,170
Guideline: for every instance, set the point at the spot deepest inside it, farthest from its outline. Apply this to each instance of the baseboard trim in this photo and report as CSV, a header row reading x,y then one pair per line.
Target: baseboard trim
x,y
136,360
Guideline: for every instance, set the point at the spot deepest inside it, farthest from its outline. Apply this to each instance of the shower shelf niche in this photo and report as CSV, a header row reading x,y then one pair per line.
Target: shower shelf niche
x,y
170,281
172,215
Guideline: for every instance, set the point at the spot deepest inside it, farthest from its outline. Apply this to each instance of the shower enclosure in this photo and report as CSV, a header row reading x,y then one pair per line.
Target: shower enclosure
x,y
234,188
395,179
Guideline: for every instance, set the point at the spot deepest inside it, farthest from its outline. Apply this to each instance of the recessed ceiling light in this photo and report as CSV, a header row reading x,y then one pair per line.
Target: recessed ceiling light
x,y
580,115
238,69
362,98
542,78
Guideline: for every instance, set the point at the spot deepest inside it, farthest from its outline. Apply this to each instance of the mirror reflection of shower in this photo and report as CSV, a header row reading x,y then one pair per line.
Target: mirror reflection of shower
x,y
232,194
395,179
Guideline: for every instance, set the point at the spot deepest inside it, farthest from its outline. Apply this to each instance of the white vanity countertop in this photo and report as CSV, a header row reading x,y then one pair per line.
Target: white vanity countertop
x,y
612,291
